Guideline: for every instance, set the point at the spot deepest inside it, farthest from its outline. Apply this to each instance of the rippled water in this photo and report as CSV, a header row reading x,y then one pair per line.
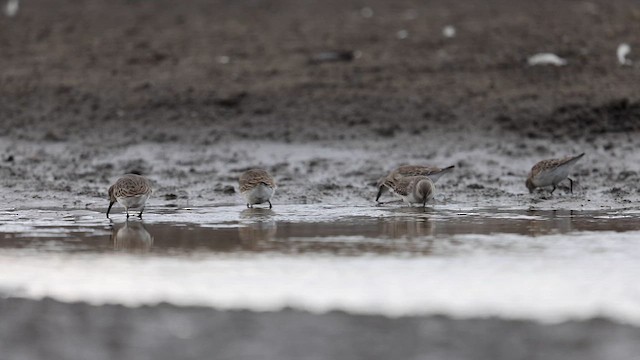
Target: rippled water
x,y
542,265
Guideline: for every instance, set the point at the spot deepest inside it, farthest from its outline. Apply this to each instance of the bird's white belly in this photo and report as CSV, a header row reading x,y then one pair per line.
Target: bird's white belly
x,y
132,202
411,199
258,195
552,177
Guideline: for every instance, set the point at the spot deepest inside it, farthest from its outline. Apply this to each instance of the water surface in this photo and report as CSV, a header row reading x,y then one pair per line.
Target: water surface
x,y
396,261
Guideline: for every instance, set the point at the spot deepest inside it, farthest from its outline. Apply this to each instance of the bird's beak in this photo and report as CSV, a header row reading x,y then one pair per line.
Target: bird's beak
x,y
109,209
380,190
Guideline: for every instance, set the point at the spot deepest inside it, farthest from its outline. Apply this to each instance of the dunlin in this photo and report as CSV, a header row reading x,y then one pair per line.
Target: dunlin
x,y
130,191
257,187
551,172
413,189
434,173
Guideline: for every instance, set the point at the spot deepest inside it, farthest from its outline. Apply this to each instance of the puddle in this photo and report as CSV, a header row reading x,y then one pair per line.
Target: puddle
x,y
542,265
293,229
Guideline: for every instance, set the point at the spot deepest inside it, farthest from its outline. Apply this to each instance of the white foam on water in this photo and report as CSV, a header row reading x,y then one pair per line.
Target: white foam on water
x,y
549,278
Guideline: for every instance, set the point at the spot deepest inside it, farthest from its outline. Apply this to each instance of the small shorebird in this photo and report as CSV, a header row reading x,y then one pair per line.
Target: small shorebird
x,y
434,173
413,189
551,172
257,187
130,191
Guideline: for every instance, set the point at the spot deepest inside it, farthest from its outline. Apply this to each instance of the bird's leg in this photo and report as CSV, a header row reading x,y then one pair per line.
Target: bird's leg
x,y
570,185
141,210
269,201
554,189
127,210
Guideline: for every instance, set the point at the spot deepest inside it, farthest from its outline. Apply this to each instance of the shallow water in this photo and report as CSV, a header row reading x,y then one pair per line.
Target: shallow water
x,y
396,261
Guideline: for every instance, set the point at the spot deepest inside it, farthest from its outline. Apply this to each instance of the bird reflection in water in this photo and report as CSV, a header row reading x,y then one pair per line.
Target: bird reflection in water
x,y
408,228
554,222
132,237
257,225
415,222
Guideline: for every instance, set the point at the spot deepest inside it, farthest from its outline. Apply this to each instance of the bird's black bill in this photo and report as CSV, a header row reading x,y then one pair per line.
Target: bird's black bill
x,y
380,190
109,209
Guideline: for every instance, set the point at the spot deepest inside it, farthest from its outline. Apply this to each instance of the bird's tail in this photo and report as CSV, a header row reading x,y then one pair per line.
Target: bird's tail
x,y
572,159
436,175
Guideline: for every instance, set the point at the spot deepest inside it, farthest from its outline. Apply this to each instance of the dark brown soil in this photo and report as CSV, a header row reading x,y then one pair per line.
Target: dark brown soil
x,y
133,70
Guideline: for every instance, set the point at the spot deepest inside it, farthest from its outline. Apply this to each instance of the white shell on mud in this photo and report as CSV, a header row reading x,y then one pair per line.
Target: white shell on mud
x,y
546,59
622,52
449,31
11,8
366,12
402,34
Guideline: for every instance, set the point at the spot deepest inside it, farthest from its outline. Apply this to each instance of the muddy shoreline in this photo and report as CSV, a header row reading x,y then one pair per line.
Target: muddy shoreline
x,y
192,95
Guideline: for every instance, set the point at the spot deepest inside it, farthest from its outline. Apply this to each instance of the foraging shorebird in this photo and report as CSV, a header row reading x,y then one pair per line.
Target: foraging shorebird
x,y
434,173
551,172
413,189
130,191
257,187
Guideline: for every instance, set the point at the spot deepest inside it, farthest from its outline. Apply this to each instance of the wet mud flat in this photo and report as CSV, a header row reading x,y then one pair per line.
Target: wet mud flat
x,y
192,96
293,282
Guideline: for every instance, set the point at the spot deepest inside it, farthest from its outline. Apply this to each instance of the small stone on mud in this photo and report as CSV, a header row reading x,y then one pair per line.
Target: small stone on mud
x,y
624,175
617,191
332,56
227,189
475,186
136,166
328,187
52,136
388,131
231,101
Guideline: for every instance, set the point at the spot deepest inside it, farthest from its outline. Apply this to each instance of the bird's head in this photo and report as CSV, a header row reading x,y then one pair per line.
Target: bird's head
x,y
424,190
112,196
530,185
